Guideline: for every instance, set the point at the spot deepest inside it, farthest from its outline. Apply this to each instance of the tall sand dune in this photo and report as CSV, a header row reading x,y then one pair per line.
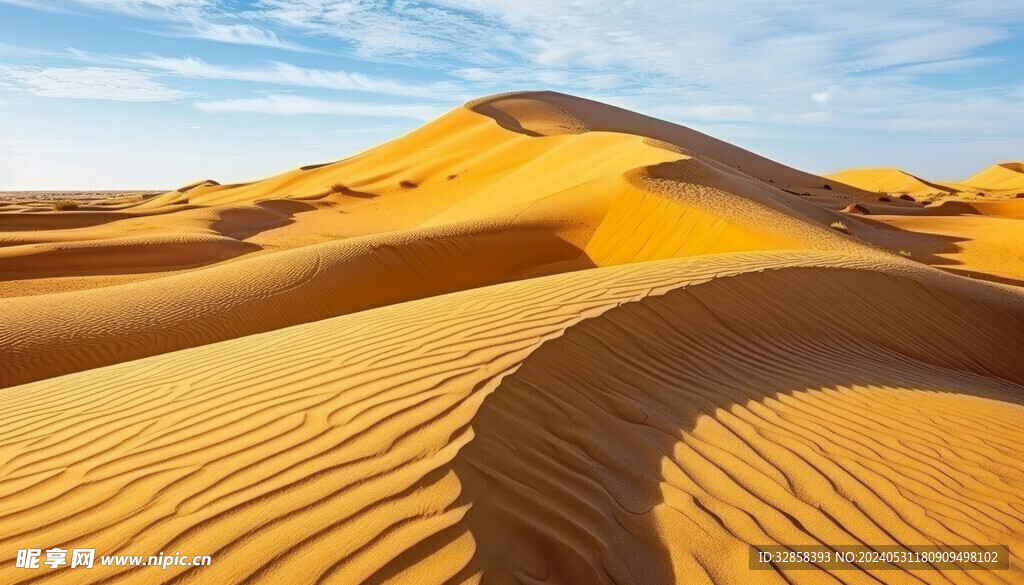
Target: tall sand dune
x,y
538,340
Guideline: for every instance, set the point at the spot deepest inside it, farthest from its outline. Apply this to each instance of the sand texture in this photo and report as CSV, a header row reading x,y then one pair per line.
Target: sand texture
x,y
538,340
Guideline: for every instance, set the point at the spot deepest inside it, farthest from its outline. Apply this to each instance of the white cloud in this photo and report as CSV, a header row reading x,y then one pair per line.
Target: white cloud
x,y
290,105
8,49
170,9
238,34
763,55
25,4
199,19
739,49
287,74
949,66
948,42
398,30
821,97
98,83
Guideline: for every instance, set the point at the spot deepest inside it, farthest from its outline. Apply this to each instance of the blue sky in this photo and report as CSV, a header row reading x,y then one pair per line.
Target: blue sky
x,y
156,93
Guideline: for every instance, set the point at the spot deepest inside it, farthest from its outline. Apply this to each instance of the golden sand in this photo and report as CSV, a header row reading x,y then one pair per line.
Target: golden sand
x,y
538,340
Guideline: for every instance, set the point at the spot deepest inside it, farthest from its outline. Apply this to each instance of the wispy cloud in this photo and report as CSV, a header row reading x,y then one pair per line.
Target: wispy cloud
x,y
97,83
944,42
199,19
399,30
291,105
949,66
19,50
742,51
279,73
757,55
236,34
167,9
33,4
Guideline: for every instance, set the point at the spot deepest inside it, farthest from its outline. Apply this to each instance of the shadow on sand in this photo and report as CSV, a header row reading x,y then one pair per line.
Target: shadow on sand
x,y
663,435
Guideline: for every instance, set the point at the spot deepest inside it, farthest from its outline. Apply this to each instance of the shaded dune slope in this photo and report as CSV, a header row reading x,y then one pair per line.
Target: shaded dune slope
x,y
712,402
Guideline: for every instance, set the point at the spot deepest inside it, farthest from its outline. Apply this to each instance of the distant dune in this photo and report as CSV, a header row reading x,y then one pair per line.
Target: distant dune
x,y
995,180
891,180
32,196
1001,177
538,340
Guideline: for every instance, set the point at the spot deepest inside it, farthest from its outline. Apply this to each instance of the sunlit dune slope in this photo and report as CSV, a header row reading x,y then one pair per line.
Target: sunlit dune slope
x,y
468,144
989,247
1005,176
538,340
711,402
889,180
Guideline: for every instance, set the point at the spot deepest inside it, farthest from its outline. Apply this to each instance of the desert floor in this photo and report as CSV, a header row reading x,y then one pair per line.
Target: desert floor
x,y
538,340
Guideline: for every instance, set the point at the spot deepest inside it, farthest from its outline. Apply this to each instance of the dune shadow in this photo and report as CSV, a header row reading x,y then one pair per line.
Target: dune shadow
x,y
14,222
109,258
923,247
291,206
650,444
360,194
113,261
505,120
241,224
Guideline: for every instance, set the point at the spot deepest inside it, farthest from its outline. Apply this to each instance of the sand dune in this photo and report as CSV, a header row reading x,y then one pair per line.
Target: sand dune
x,y
54,334
981,246
358,430
540,339
623,199
890,180
1005,176
1003,179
